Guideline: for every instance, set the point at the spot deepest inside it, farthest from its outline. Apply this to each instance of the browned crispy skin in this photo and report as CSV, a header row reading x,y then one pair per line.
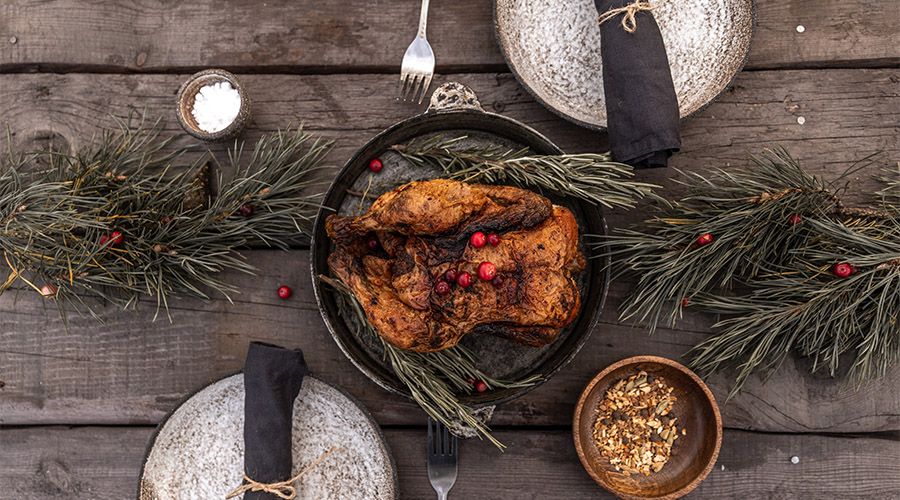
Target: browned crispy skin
x,y
445,207
423,228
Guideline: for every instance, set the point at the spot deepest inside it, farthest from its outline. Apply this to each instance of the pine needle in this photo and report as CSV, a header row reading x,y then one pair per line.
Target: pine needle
x,y
593,178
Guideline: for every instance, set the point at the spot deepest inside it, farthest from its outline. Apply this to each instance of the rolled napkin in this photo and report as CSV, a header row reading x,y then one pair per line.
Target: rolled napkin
x,y
641,105
272,379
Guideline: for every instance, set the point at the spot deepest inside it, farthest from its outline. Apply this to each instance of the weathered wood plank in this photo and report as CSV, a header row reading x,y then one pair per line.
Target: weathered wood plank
x,y
848,114
104,463
131,370
308,36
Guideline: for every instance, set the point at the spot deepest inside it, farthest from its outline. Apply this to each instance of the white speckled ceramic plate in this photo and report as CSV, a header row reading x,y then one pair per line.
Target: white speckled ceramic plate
x,y
198,452
553,48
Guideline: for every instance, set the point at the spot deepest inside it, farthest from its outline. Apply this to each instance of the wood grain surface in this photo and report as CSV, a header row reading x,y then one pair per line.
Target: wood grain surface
x,y
306,36
829,92
130,370
55,463
847,114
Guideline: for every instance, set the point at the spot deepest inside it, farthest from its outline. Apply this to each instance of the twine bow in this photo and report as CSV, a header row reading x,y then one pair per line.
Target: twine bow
x,y
629,23
282,489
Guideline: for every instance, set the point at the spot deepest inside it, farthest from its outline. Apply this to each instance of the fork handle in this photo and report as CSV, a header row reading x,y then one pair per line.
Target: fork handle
x,y
423,18
442,495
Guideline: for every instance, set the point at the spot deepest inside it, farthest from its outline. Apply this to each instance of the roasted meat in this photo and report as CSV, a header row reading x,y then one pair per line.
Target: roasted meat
x,y
422,231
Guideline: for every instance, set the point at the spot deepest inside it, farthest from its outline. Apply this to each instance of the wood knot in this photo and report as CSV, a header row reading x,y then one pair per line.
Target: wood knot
x,y
57,476
44,140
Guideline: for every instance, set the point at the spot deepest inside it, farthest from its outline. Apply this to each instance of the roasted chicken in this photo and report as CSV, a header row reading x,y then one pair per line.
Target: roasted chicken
x,y
393,256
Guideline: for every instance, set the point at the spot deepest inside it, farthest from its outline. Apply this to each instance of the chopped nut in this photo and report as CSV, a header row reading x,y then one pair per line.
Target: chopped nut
x,y
634,429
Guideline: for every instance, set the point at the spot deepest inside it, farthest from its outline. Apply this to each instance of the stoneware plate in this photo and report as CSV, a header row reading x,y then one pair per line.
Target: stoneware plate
x,y
553,48
198,452
693,454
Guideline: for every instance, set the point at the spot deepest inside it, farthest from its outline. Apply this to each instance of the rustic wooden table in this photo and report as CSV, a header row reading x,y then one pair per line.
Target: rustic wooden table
x,y
77,406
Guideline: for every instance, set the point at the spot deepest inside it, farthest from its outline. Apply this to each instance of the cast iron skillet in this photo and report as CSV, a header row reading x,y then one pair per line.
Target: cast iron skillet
x,y
455,111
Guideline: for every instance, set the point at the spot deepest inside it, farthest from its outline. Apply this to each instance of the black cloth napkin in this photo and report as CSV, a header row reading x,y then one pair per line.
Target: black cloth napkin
x,y
641,105
272,379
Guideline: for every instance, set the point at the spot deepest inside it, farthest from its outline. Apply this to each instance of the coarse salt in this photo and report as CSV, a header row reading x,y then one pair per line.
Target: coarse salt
x,y
216,106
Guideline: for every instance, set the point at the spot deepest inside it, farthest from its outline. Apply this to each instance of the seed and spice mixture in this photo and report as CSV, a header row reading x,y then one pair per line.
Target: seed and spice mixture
x,y
635,429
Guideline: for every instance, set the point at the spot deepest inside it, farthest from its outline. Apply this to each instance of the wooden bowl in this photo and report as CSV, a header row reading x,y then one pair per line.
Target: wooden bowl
x,y
693,455
185,102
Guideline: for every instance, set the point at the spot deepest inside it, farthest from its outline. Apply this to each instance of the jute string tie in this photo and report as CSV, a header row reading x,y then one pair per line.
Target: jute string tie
x,y
282,489
629,23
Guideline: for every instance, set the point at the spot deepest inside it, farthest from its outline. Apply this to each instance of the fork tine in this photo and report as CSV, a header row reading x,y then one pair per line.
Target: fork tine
x,y
407,83
414,87
425,86
404,81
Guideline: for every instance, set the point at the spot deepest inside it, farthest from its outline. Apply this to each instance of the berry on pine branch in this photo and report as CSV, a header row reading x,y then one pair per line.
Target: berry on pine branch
x,y
842,270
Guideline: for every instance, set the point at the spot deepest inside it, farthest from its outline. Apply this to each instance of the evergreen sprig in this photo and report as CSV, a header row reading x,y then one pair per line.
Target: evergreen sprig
x,y
778,233
748,213
594,178
58,211
806,309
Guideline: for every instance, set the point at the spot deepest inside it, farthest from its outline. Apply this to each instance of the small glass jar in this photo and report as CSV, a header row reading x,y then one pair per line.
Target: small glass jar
x,y
188,93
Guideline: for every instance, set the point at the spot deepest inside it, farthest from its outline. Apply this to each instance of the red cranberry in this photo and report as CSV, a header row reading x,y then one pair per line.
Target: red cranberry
x,y
464,279
375,165
705,239
115,238
843,270
372,244
442,287
685,301
480,386
451,276
285,292
794,220
487,271
246,210
493,239
478,239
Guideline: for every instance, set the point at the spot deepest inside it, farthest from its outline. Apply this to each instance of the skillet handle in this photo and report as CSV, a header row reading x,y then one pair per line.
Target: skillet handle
x,y
453,96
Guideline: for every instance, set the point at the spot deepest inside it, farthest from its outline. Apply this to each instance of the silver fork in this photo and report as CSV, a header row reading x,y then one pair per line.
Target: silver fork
x,y
443,450
418,63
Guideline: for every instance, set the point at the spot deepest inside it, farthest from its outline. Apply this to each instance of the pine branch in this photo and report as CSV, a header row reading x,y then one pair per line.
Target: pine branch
x,y
806,309
175,240
594,178
750,215
780,233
